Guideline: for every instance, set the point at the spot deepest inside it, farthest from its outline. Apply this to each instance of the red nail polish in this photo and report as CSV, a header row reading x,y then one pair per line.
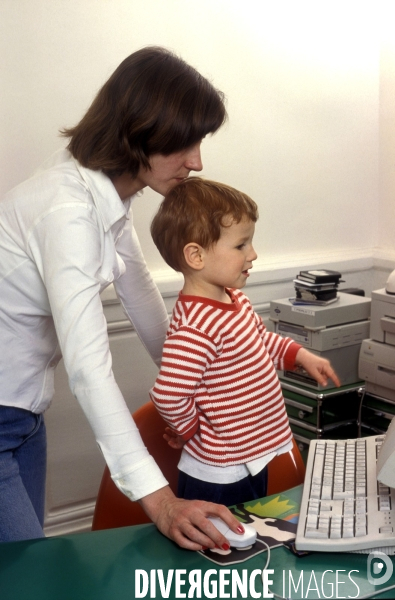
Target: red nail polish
x,y
240,528
225,546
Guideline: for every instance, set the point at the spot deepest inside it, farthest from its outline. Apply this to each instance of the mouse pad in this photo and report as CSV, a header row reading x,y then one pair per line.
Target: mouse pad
x,y
275,520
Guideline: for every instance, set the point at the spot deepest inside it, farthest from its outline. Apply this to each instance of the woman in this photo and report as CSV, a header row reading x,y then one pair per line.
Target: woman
x,y
65,235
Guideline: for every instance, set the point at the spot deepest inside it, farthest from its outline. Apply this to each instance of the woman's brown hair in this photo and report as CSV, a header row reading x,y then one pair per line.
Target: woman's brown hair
x,y
196,210
154,102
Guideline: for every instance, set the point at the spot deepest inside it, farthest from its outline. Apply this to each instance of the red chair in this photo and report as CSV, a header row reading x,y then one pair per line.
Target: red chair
x,y
285,471
114,509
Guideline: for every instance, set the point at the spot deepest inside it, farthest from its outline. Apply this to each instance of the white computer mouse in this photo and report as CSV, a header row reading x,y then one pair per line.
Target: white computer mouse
x,y
390,285
242,541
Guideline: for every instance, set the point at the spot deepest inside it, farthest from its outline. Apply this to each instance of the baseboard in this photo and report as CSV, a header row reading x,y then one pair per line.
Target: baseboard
x,y
75,519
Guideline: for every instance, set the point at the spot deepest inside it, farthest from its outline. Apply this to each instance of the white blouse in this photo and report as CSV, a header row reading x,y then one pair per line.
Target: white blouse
x,y
65,235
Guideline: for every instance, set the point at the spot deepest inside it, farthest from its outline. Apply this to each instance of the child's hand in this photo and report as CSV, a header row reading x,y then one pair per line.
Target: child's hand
x,y
319,368
175,441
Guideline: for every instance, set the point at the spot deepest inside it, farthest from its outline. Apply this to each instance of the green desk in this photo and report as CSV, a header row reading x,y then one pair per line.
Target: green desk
x,y
101,565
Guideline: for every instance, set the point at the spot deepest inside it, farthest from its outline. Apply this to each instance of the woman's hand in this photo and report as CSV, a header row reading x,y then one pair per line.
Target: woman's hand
x,y
185,521
319,368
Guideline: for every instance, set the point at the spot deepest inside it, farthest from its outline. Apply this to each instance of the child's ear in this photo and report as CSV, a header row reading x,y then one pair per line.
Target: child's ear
x,y
193,254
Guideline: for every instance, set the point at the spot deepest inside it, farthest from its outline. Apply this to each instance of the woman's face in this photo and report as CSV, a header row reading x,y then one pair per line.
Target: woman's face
x,y
167,171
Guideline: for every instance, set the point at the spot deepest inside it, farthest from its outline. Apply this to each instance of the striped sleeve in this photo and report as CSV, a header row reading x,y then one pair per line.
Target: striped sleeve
x,y
282,350
187,353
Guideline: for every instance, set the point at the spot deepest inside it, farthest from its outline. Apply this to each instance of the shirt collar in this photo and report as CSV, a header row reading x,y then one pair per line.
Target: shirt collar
x,y
106,199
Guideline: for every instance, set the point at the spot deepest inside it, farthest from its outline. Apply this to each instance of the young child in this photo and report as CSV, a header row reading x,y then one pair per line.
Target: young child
x,y
217,387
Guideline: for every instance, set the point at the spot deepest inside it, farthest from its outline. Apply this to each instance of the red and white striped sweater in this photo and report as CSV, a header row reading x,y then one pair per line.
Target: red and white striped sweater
x,y
217,386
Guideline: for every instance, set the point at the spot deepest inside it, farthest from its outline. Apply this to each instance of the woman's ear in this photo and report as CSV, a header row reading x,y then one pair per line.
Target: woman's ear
x,y
193,254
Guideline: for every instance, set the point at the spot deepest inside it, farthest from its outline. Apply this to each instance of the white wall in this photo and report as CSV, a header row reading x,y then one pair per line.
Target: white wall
x,y
302,82
386,234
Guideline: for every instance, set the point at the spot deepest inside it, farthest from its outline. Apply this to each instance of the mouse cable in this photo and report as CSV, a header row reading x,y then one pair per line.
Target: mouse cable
x,y
266,566
376,594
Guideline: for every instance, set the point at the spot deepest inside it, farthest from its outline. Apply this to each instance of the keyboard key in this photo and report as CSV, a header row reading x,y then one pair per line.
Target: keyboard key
x,y
384,504
340,495
360,503
312,521
315,491
360,521
336,533
337,510
316,533
326,493
348,532
349,507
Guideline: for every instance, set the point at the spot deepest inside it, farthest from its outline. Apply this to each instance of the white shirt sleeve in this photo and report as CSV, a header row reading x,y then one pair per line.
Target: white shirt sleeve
x,y
67,245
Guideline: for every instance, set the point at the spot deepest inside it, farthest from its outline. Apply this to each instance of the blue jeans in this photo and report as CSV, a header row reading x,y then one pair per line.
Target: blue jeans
x,y
249,488
23,450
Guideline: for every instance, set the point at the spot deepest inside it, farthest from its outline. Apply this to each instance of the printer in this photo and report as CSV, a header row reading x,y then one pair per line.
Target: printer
x,y
334,332
377,356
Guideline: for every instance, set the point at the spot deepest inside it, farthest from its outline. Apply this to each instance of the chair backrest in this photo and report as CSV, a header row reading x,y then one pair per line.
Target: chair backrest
x,y
285,471
114,509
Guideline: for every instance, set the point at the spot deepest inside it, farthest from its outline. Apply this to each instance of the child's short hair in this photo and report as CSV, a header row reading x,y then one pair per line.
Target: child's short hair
x,y
195,210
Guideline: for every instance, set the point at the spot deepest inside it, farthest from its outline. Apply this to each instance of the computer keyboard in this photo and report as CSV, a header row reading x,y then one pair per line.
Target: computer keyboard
x,y
344,508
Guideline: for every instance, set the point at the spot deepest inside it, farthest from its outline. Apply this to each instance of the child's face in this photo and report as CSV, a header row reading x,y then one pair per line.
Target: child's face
x,y
227,262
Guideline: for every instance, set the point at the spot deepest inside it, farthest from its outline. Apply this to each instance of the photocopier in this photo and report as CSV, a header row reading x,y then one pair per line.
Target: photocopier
x,y
334,332
377,357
